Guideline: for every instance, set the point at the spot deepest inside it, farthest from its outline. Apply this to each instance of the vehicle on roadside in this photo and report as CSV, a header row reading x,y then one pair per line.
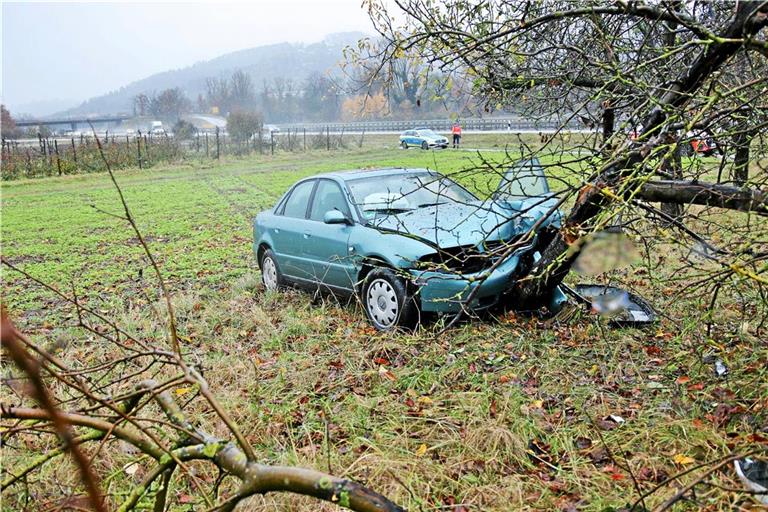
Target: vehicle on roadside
x,y
406,241
269,134
423,138
700,144
157,128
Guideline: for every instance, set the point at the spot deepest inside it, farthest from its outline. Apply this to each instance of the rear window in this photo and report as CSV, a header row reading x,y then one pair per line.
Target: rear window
x,y
297,202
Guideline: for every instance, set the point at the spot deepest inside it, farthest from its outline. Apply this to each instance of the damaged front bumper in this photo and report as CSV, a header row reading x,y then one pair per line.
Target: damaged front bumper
x,y
441,292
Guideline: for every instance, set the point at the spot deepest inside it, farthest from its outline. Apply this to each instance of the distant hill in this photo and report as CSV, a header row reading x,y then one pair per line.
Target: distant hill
x,y
289,60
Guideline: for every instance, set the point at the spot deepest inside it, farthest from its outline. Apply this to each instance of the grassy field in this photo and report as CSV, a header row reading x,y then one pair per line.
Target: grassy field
x,y
501,414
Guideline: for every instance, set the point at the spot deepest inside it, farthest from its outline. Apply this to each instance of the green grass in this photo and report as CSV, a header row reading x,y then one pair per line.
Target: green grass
x,y
290,369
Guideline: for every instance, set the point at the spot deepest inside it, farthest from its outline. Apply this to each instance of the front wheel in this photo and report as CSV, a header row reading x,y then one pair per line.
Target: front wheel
x,y
424,145
270,272
386,301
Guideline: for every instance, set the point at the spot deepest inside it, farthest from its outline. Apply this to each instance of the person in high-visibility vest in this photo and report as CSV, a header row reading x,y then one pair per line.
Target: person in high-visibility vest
x,y
456,131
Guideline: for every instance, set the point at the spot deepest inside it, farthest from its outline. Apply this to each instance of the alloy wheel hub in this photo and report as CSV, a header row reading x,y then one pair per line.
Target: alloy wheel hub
x,y
382,303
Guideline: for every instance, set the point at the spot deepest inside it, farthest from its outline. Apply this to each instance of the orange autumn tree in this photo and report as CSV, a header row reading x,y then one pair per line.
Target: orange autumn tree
x,y
364,106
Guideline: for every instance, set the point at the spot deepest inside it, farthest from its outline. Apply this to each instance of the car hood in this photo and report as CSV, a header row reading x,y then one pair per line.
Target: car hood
x,y
460,224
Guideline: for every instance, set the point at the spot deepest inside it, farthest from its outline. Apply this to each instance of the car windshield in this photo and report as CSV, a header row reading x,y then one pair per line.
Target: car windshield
x,y
428,133
398,193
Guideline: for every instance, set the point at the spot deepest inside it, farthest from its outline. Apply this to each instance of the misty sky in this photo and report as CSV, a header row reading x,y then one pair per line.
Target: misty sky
x,y
73,51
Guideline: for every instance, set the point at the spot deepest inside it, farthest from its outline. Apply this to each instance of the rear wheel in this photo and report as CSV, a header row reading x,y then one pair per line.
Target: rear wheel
x,y
270,272
424,145
404,145
386,301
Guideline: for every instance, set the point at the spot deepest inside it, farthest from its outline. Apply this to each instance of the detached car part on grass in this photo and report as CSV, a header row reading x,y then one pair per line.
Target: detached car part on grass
x,y
407,241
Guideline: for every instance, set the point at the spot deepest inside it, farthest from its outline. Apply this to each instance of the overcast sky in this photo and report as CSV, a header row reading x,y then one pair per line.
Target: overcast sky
x,y
73,51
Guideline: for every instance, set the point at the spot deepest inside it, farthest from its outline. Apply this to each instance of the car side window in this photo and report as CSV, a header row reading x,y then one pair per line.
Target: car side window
x,y
297,202
328,197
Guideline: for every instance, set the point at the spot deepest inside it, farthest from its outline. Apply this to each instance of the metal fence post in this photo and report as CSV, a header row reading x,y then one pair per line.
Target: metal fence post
x,y
58,160
138,148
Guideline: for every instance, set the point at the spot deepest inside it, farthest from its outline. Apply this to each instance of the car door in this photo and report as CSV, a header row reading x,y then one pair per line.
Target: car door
x,y
523,181
328,248
289,228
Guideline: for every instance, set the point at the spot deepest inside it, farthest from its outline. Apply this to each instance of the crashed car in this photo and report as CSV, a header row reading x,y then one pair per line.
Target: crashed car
x,y
422,138
406,241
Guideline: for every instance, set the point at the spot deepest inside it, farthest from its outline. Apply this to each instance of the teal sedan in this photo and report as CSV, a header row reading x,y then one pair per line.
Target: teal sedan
x,y
406,241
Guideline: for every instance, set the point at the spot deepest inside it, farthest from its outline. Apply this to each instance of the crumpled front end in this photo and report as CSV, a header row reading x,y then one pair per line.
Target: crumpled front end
x,y
446,278
446,292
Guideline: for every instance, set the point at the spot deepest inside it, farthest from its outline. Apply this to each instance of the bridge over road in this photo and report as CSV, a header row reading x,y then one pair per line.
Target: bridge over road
x,y
73,122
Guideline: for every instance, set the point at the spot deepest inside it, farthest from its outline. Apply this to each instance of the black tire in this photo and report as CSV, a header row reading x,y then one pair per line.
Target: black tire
x,y
424,145
404,145
271,281
387,302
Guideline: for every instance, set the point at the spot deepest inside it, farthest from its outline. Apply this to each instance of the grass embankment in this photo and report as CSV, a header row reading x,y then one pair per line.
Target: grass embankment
x,y
504,414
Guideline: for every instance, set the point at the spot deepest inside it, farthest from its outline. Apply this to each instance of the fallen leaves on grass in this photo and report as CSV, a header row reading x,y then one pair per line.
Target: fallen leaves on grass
x,y
683,460
387,374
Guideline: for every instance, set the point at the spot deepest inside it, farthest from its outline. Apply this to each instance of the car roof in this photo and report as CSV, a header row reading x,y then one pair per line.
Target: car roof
x,y
352,174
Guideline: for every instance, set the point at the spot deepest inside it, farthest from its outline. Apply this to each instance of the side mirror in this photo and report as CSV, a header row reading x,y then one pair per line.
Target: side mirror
x,y
336,217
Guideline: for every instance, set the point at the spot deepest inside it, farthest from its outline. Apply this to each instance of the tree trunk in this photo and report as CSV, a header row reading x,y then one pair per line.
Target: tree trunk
x,y
741,142
674,167
707,194
609,121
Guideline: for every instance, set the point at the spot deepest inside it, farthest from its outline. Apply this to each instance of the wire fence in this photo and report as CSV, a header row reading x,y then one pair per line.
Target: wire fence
x,y
51,156
57,156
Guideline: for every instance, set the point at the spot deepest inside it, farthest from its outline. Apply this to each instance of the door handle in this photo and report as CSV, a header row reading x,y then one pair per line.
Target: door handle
x,y
276,230
307,234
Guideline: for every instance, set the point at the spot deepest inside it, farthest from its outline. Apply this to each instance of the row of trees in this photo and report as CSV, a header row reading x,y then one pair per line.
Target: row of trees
x,y
168,104
360,94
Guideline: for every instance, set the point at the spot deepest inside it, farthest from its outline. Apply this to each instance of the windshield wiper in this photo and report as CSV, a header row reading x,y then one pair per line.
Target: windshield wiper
x,y
424,205
388,210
